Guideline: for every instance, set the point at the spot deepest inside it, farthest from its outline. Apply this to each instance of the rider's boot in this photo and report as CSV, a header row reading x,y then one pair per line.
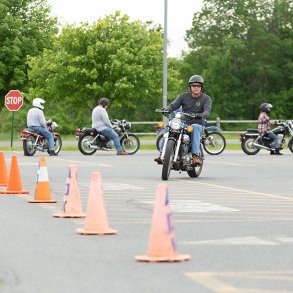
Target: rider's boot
x,y
52,153
159,160
122,153
277,152
196,161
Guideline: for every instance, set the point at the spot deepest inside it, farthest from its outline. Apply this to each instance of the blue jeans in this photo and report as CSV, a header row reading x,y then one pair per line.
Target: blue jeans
x,y
111,134
46,133
275,144
195,138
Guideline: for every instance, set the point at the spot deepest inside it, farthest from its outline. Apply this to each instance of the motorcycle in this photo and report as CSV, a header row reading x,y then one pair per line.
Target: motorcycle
x,y
176,151
33,141
90,140
212,140
252,142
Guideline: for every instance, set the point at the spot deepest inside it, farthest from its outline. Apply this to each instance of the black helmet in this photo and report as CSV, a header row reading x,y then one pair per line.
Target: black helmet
x,y
104,102
266,107
196,78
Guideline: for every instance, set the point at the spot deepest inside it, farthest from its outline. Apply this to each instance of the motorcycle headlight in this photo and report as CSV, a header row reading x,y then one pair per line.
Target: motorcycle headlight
x,y
127,125
176,124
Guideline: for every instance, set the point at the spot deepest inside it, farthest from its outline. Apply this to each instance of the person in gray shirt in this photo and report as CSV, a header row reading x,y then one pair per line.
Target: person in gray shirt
x,y
102,123
193,102
37,122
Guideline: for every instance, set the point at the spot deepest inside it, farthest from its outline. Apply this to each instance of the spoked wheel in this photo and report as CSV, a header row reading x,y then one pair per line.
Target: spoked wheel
x,y
130,143
57,144
159,141
214,143
168,159
248,147
29,146
84,144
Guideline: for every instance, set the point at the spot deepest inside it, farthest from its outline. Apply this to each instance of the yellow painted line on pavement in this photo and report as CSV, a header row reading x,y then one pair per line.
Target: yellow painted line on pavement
x,y
212,281
82,162
241,190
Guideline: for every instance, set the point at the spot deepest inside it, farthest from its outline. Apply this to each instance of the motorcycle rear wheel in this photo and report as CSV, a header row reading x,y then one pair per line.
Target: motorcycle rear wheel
x,y
168,159
246,145
214,143
84,144
130,144
28,146
159,141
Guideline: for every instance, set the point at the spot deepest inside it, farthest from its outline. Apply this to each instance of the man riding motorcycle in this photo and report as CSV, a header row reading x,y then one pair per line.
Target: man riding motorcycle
x,y
37,122
193,102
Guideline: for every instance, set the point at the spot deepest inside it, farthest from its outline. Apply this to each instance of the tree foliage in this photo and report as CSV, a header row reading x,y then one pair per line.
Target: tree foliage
x,y
25,29
244,50
112,58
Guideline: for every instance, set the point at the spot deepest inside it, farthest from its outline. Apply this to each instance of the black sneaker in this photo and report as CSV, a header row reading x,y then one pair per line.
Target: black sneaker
x,y
53,153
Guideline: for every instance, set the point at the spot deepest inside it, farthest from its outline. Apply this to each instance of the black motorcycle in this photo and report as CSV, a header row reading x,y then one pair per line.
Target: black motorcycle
x,y
212,140
90,140
33,141
252,142
176,152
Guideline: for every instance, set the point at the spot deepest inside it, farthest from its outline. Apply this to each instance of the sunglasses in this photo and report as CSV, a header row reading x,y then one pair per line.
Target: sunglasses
x,y
195,85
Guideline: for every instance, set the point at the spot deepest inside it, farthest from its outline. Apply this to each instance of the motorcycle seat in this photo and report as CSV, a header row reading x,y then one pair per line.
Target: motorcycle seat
x,y
252,130
33,130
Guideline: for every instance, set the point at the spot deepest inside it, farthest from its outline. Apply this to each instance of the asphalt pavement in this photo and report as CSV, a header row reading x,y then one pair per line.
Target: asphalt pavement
x,y
235,221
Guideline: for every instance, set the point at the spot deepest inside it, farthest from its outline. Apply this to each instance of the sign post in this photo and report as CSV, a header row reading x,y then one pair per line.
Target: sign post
x,y
13,102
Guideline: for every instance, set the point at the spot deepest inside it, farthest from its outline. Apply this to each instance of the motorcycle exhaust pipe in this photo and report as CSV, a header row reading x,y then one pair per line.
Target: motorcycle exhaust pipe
x,y
260,146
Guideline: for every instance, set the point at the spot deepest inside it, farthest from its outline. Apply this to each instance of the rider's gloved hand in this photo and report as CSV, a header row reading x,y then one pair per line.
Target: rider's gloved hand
x,y
198,115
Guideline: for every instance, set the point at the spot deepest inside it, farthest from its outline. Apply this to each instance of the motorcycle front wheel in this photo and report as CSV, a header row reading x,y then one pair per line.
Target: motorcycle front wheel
x,y
195,172
84,144
130,143
168,159
214,143
29,146
247,147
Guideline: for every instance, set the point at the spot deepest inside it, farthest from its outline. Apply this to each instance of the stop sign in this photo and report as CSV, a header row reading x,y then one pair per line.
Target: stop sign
x,y
13,100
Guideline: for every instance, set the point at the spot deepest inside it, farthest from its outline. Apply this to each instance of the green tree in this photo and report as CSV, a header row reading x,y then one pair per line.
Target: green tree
x,y
112,58
25,29
244,50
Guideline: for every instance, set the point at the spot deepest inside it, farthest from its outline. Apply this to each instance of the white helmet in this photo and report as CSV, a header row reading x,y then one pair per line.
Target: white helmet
x,y
39,103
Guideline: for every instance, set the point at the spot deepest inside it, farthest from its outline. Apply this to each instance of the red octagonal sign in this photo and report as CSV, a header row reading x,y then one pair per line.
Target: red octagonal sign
x,y
13,100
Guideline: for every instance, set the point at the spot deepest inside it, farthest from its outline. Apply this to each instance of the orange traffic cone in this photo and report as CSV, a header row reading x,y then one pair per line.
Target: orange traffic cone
x,y
42,191
3,170
96,221
162,244
14,185
71,199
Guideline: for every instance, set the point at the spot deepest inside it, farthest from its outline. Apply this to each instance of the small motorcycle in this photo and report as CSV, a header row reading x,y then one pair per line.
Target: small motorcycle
x,y
33,141
176,152
212,140
90,140
252,142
